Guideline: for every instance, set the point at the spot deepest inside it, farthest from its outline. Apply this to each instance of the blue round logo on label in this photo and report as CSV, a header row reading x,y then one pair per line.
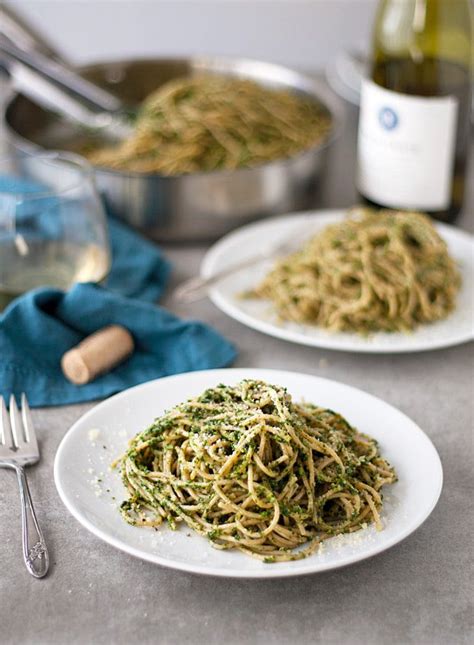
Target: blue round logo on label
x,y
388,118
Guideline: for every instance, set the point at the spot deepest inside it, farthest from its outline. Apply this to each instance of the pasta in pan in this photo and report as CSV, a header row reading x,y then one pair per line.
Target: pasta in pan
x,y
211,122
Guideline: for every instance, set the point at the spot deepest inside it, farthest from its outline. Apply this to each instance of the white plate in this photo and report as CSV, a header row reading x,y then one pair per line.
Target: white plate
x,y
247,241
82,457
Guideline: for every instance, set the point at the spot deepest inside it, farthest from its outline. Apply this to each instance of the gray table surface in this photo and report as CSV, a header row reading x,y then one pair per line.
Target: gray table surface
x,y
420,591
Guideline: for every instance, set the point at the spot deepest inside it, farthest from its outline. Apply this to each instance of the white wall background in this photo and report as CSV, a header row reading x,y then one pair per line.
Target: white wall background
x,y
304,33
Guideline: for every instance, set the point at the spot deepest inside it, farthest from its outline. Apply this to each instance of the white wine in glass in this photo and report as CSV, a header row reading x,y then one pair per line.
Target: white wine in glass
x,y
52,224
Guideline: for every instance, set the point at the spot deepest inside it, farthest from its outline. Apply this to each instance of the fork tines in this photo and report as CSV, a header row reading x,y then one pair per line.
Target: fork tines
x,y
16,429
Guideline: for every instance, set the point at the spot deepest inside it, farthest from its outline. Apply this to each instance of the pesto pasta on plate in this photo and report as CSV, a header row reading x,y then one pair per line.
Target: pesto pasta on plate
x,y
250,469
357,281
176,432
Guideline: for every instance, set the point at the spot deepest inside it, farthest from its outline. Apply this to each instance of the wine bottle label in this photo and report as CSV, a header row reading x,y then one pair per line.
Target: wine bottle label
x,y
406,148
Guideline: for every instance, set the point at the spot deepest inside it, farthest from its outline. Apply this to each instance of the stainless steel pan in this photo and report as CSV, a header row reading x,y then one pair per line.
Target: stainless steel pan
x,y
198,206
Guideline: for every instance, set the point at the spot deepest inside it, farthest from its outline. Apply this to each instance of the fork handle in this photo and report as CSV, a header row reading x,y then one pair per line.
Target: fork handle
x,y
196,288
35,553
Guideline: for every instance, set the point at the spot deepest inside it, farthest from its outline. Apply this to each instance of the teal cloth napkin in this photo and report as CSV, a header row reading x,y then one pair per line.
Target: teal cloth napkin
x,y
37,328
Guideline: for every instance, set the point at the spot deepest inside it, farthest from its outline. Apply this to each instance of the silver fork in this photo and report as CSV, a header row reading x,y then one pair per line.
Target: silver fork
x,y
196,288
19,448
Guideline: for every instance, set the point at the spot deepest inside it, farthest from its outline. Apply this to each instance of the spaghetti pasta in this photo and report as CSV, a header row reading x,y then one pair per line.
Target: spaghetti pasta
x,y
374,271
203,123
250,469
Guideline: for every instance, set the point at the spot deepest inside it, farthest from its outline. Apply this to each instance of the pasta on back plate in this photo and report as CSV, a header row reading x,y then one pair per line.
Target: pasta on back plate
x,y
374,271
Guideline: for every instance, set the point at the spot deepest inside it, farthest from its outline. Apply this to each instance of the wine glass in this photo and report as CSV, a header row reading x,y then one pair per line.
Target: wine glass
x,y
52,223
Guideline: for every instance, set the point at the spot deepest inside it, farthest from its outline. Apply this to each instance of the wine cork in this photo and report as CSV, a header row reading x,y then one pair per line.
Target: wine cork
x,y
97,354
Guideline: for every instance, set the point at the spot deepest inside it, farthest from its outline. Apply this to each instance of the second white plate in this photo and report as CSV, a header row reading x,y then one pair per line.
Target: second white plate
x,y
247,241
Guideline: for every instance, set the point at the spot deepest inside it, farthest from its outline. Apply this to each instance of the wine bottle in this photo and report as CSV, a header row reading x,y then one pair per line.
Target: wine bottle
x,y
415,112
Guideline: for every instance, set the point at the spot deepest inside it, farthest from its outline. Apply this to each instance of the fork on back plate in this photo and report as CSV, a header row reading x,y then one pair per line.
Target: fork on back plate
x,y
19,448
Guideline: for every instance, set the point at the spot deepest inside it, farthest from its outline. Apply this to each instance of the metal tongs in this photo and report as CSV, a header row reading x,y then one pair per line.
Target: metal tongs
x,y
40,73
